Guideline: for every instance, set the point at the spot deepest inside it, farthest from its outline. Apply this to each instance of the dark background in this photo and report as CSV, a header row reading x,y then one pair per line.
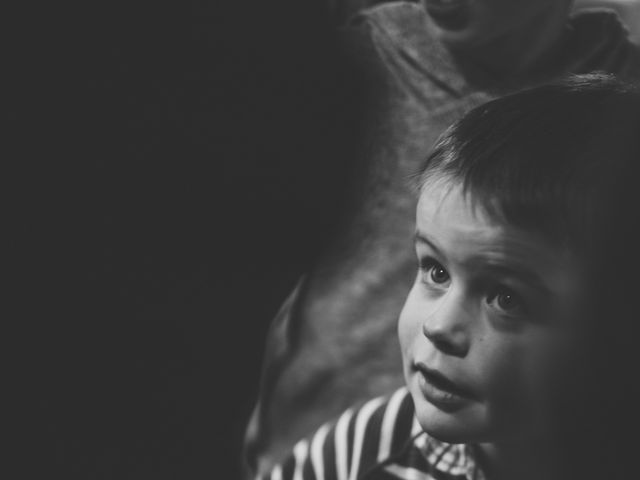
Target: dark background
x,y
175,166
183,164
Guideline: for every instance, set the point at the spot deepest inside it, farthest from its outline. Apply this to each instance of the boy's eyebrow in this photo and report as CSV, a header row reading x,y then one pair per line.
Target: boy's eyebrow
x,y
421,237
495,268
525,276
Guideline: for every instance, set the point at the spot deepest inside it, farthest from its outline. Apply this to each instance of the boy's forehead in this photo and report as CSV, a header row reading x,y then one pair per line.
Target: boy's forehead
x,y
445,207
464,232
443,200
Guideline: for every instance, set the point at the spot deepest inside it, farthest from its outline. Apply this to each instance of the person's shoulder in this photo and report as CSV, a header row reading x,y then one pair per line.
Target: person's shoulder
x,y
396,43
361,438
371,433
392,13
398,22
386,423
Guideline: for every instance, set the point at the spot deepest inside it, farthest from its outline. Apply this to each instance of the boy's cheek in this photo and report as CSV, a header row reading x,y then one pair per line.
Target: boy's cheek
x,y
519,376
503,384
404,336
409,321
409,331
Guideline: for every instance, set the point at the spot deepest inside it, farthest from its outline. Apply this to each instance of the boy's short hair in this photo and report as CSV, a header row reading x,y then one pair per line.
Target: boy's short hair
x,y
544,159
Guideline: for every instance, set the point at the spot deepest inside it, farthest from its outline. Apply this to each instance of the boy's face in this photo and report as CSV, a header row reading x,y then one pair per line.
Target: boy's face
x,y
486,324
476,23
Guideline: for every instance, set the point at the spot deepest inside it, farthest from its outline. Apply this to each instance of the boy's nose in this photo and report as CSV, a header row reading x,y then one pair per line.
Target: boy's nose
x,y
447,326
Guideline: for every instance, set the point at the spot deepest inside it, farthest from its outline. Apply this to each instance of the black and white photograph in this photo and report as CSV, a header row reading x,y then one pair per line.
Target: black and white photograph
x,y
326,240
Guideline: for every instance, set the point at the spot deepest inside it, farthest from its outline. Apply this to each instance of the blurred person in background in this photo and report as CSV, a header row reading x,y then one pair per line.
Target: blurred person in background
x,y
332,345
628,10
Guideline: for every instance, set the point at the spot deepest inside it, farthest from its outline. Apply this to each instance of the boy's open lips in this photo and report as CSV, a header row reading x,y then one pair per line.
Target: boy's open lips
x,y
440,390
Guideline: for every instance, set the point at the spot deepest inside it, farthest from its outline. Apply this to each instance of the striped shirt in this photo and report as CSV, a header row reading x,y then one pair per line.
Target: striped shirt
x,y
381,440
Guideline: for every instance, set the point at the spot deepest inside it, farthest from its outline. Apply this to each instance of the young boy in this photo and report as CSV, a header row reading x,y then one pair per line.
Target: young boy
x,y
426,63
510,206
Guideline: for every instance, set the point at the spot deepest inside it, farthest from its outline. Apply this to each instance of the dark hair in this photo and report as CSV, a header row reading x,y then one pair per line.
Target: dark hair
x,y
543,158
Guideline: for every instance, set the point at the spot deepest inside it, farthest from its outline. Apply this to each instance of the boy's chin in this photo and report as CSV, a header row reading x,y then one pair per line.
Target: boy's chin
x,y
463,426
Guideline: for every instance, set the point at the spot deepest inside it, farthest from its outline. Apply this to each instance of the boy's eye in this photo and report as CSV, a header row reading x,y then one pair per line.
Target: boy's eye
x,y
507,301
436,272
439,274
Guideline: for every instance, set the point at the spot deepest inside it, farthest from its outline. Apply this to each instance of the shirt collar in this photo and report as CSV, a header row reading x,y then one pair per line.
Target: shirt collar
x,y
450,458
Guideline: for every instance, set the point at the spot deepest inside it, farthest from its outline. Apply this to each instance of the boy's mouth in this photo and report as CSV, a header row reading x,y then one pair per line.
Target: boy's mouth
x,y
440,390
